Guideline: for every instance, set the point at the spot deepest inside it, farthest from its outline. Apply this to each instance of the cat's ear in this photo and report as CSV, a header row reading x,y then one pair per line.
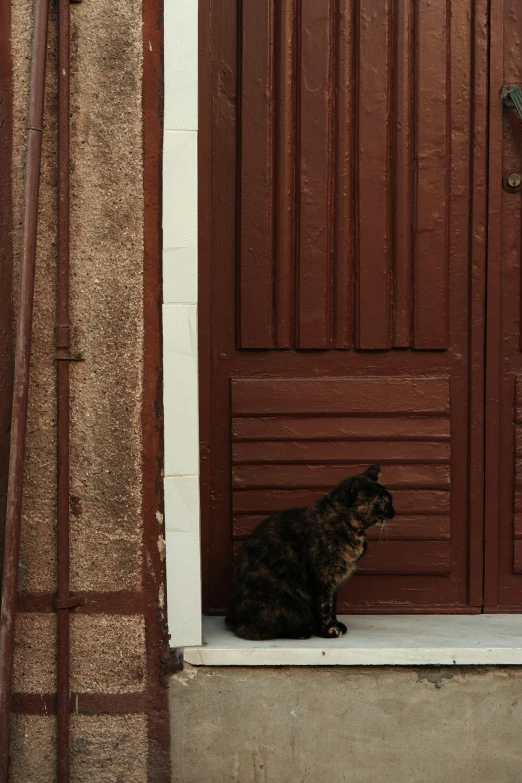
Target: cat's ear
x,y
356,487
373,472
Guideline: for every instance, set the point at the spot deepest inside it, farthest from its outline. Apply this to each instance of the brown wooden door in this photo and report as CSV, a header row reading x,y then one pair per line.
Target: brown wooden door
x,y
342,213
503,563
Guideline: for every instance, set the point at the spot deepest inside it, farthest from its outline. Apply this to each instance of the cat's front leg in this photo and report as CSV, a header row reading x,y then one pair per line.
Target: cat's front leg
x,y
326,621
342,627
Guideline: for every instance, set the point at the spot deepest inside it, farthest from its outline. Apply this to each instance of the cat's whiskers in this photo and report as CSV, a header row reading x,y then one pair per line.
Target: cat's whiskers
x,y
384,527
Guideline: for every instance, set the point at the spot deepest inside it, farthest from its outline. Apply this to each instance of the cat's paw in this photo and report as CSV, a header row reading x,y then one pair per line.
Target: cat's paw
x,y
342,627
333,632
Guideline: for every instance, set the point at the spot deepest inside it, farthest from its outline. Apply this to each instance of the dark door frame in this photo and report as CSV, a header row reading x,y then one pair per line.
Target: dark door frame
x,y
503,580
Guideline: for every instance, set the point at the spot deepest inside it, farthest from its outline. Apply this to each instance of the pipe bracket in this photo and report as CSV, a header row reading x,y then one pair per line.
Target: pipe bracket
x,y
69,356
69,603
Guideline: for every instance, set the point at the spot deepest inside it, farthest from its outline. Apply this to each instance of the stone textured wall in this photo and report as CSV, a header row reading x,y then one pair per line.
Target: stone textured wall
x,y
111,648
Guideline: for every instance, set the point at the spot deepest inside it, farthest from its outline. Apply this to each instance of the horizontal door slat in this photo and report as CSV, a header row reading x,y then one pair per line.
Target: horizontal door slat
x,y
359,452
405,501
335,428
399,557
327,476
406,557
258,396
421,501
412,528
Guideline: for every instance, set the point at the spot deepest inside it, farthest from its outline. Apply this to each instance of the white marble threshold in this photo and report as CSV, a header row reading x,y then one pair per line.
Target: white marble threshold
x,y
374,640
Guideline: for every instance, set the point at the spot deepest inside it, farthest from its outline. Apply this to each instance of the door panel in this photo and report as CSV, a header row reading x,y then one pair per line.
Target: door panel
x,y
503,566
373,199
271,469
344,281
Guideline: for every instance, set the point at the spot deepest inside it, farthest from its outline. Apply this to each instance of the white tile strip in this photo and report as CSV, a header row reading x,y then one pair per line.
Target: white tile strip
x,y
180,275
180,196
180,397
184,587
181,64
180,401
374,640
182,502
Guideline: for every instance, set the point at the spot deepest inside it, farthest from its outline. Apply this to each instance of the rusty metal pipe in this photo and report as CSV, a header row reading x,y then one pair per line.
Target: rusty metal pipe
x,y
21,374
62,394
6,261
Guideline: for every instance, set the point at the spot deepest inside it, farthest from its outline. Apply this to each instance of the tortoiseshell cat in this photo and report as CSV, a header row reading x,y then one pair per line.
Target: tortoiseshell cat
x,y
289,572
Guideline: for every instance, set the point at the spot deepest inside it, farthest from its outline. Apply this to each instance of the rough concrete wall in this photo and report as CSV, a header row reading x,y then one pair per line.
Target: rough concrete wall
x,y
108,650
399,725
107,305
104,749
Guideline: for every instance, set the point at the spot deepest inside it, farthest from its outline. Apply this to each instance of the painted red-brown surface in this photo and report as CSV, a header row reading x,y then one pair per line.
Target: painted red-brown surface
x,y
153,565
342,280
503,553
6,260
